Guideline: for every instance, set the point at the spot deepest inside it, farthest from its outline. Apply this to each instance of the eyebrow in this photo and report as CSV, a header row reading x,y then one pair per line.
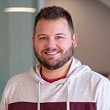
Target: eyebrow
x,y
41,35
60,34
47,35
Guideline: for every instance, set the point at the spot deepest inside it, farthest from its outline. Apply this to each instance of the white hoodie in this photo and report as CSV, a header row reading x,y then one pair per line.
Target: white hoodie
x,y
82,89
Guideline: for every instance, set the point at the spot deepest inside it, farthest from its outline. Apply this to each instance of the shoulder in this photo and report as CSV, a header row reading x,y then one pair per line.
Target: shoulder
x,y
21,77
16,81
97,80
95,76
18,77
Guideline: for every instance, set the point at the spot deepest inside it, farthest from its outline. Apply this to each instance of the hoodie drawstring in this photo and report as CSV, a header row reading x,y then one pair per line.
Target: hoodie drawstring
x,y
38,103
68,101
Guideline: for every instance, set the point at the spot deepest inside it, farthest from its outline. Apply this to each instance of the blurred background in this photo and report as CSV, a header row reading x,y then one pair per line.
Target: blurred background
x,y
91,21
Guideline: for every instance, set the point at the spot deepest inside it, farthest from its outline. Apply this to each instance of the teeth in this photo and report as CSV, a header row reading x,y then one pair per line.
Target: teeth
x,y
51,53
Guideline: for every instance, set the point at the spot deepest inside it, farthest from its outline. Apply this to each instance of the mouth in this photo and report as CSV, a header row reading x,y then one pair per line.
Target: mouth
x,y
51,53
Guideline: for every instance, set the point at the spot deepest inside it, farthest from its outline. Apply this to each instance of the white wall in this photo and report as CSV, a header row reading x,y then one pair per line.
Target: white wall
x,y
106,2
92,24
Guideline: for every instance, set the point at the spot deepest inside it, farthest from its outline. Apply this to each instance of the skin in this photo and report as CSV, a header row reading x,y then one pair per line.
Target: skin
x,y
53,43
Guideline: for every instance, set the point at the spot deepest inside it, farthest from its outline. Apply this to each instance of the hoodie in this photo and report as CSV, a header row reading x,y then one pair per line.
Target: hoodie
x,y
82,89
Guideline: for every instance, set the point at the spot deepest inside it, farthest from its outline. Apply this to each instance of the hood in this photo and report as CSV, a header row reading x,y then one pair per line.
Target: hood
x,y
75,70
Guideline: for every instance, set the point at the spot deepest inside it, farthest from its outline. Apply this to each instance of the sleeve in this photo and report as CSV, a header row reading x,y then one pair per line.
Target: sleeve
x,y
103,96
3,103
5,97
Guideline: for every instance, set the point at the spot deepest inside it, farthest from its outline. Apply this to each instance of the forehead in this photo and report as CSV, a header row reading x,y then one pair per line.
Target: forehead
x,y
52,21
56,25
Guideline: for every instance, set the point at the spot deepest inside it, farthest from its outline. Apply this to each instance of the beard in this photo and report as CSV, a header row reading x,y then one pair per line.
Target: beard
x,y
65,57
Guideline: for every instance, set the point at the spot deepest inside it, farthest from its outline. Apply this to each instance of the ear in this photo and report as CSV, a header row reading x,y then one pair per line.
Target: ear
x,y
33,41
74,38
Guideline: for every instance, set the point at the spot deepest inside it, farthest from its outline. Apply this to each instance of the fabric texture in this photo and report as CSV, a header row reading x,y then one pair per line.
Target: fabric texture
x,y
82,89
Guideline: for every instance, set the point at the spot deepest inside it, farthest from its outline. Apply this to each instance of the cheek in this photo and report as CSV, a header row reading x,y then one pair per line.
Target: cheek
x,y
37,46
66,46
68,43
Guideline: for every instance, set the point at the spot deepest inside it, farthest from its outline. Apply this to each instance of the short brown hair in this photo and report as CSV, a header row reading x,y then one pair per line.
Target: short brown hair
x,y
52,13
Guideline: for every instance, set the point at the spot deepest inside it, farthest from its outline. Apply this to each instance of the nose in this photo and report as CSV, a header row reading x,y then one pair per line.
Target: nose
x,y
51,43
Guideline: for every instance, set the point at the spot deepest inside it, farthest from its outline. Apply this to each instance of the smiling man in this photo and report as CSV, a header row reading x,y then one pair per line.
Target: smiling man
x,y
58,81
48,42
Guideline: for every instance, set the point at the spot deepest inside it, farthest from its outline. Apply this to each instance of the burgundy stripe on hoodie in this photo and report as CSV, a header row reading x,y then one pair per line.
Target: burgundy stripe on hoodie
x,y
52,106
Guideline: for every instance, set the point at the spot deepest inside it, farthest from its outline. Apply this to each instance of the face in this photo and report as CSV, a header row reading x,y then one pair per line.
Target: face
x,y
53,43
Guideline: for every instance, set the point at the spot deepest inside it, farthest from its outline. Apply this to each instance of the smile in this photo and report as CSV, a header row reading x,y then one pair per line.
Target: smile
x,y
51,53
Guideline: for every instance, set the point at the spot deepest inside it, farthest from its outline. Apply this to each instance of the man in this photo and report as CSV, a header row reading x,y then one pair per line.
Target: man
x,y
58,81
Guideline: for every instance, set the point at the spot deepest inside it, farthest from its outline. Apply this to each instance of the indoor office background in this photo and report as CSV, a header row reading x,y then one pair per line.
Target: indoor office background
x,y
92,24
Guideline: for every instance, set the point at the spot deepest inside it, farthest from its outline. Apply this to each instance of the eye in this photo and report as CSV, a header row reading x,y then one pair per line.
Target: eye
x,y
59,37
42,38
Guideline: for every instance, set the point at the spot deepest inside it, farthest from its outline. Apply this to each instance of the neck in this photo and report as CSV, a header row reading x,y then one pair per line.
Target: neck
x,y
57,73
